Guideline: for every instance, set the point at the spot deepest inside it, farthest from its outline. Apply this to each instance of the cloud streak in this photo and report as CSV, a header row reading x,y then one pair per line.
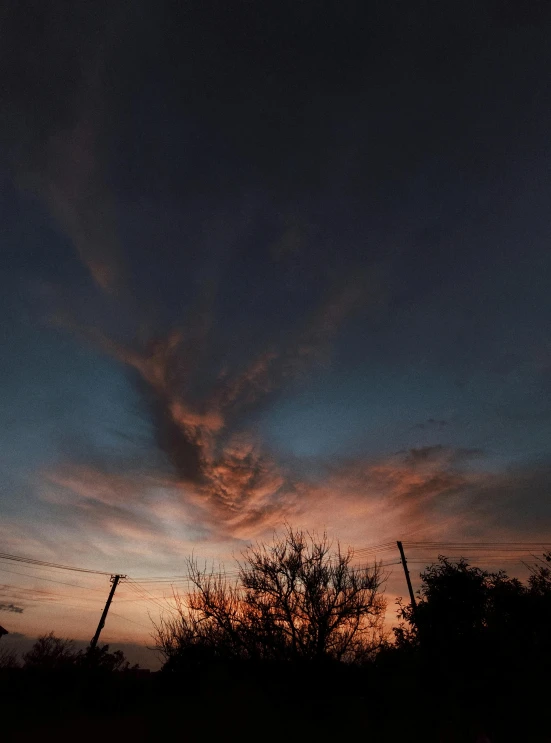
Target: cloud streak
x,y
244,493
55,109
200,413
12,608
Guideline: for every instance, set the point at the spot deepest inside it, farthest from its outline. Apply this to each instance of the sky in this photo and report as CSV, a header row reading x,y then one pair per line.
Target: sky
x,y
266,263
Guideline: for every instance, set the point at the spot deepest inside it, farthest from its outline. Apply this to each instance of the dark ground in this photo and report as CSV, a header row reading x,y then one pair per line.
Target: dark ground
x,y
390,705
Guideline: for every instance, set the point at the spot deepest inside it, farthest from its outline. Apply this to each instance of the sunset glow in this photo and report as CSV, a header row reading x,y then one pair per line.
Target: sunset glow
x,y
247,287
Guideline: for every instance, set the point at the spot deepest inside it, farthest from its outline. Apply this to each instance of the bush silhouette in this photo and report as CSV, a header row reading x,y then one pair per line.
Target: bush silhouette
x,y
51,653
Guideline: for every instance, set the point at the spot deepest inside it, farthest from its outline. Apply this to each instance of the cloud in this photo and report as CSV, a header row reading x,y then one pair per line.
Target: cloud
x,y
55,116
440,454
429,494
200,412
515,501
378,499
118,510
74,187
11,607
431,423
198,403
244,492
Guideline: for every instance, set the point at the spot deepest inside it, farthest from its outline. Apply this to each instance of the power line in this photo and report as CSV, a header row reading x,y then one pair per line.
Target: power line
x,y
186,579
231,574
51,597
142,593
360,552
522,546
44,563
29,594
50,580
382,547
126,619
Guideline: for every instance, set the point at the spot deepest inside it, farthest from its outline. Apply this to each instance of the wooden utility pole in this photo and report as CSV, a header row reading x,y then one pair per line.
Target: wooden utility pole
x,y
115,581
408,581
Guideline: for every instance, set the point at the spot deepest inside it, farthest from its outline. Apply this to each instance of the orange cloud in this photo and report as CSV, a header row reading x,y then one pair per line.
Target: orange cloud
x,y
243,493
222,468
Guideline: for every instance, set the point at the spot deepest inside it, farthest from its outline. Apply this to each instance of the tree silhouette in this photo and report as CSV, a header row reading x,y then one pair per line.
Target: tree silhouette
x,y
8,659
295,599
99,658
50,653
461,606
485,637
540,578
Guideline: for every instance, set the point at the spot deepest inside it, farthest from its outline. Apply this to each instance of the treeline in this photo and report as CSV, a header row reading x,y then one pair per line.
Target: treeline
x,y
297,646
55,654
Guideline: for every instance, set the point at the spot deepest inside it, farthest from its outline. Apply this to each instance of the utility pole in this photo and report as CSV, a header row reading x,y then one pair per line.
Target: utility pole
x,y
408,581
115,581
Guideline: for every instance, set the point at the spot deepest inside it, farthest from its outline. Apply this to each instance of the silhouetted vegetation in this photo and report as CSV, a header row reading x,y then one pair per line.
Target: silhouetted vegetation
x,y
481,645
465,612
8,659
294,600
297,640
50,653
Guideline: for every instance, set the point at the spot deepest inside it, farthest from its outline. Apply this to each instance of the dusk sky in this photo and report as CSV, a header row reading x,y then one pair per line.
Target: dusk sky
x,y
267,262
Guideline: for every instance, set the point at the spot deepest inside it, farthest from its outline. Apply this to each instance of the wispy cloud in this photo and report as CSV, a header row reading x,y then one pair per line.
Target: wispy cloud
x,y
432,423
75,187
243,492
57,113
199,413
12,608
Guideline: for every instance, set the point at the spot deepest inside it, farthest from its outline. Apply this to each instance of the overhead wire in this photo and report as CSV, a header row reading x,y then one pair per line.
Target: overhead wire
x,y
140,586
126,619
360,552
148,596
173,579
141,596
50,580
24,593
187,578
44,563
493,546
373,549
382,547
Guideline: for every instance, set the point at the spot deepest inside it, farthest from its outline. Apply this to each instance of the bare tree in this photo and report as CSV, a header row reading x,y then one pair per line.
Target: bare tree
x,y
540,575
296,599
8,659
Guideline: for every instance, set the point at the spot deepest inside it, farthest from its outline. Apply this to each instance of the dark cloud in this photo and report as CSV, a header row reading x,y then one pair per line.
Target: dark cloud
x,y
12,607
431,423
440,453
516,500
201,413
